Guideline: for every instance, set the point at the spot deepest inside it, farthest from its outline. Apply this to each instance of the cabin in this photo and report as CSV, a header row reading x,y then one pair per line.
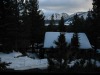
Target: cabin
x,y
50,37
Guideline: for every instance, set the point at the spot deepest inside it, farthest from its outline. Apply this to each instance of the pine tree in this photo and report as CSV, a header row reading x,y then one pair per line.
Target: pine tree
x,y
75,23
78,23
75,41
96,16
60,54
89,22
37,23
16,24
61,26
96,24
88,28
3,65
1,22
75,45
52,22
82,24
25,26
9,24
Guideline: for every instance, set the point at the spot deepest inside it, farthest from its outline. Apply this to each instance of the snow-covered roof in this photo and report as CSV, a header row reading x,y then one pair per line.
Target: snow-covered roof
x,y
50,37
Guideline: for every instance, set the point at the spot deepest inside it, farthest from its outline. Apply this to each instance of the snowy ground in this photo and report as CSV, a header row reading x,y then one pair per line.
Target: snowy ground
x,y
32,55
23,62
19,62
86,61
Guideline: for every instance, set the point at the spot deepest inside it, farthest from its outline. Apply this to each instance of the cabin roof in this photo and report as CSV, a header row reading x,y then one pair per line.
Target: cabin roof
x,y
50,37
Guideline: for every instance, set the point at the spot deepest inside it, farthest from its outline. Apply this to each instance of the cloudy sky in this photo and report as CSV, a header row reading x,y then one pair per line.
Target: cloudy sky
x,y
67,6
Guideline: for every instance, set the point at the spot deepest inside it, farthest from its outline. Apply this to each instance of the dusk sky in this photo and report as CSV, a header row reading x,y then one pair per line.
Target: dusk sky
x,y
66,6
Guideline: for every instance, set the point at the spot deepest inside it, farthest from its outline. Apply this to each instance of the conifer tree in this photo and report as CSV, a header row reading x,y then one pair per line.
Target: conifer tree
x,y
96,16
61,26
78,23
88,22
75,45
25,26
60,54
3,65
96,20
88,27
96,24
75,41
75,23
37,22
9,24
52,22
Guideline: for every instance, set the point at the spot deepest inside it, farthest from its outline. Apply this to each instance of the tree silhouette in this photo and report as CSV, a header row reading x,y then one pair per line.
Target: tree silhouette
x,y
61,26
36,23
58,56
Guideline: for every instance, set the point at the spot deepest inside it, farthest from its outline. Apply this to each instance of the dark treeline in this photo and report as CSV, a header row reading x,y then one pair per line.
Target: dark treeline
x,y
21,24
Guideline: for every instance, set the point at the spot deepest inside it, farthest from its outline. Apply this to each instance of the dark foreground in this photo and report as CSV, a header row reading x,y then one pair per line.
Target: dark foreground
x,y
46,71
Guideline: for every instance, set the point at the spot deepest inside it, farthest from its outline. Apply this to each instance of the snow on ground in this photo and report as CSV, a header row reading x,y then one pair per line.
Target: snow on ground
x,y
32,55
72,63
13,54
25,63
22,63
97,62
50,37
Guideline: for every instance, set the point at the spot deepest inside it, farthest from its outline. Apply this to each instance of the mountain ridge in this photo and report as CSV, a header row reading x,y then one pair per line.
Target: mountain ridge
x,y
67,18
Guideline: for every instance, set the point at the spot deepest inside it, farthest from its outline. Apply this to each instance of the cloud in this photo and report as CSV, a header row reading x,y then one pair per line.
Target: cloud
x,y
68,6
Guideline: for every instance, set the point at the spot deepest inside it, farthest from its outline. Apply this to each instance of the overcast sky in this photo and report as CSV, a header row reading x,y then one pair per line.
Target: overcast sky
x,y
66,6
